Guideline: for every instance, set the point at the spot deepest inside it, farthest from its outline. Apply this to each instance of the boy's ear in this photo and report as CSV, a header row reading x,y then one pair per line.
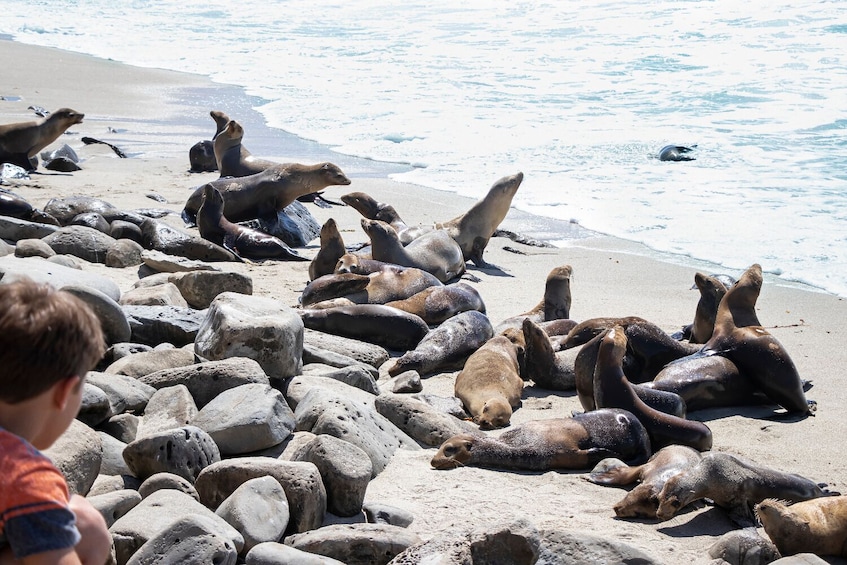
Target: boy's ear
x,y
63,389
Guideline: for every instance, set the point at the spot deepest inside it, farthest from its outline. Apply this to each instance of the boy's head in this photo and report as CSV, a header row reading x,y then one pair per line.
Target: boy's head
x,y
46,336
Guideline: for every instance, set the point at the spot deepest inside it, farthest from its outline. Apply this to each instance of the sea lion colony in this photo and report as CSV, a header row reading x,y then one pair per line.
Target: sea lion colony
x,y
638,386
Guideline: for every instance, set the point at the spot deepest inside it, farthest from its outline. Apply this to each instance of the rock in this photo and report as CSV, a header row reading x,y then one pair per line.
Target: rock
x,y
95,407
183,451
105,484
77,454
112,320
270,553
68,261
166,294
113,505
169,408
313,354
121,229
361,351
301,482
5,248
33,248
141,364
207,380
124,253
260,328
376,513
169,240
81,241
404,383
292,444
163,324
574,548
345,469
112,462
125,393
123,427
800,559
744,547
200,288
40,270
294,225
161,481
356,544
66,209
447,404
159,262
14,229
246,418
192,540
354,375
91,220
298,387
421,421
258,509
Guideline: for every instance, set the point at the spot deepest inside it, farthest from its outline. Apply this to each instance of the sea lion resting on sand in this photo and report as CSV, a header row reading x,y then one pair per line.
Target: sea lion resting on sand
x,y
557,443
332,249
554,305
490,384
21,141
375,323
379,287
816,526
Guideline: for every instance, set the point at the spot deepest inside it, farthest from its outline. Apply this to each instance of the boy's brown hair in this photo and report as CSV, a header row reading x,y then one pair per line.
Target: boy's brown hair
x,y
46,335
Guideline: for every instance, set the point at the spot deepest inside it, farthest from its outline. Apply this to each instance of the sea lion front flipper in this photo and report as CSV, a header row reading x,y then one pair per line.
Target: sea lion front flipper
x,y
189,219
613,471
229,244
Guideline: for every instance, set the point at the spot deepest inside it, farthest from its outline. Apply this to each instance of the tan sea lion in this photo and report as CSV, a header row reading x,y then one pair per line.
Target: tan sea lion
x,y
245,242
375,323
373,210
642,501
490,384
556,443
473,229
201,156
437,304
381,287
816,526
332,249
233,158
712,291
21,141
554,305
435,252
355,263
734,484
265,194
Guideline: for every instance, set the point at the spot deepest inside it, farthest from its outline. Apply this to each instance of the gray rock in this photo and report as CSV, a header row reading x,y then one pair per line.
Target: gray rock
x,y
120,350
166,294
113,505
447,404
270,553
161,481
125,393
124,253
356,544
258,509
260,328
301,482
95,407
298,387
163,324
292,444
314,354
200,288
800,559
574,548
81,241
354,375
207,380
744,547
112,318
361,351
169,240
141,364
66,209
14,229
376,513
345,469
169,408
121,229
33,248
324,412
294,225
192,540
160,512
91,220
105,484
404,383
68,261
421,421
40,270
5,248
123,427
113,461
246,418
184,451
159,262
77,454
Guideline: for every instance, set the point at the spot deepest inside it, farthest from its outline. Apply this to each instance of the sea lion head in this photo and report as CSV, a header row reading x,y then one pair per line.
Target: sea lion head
x,y
507,185
233,131
201,157
332,174
455,452
496,413
348,263
212,198
376,228
362,203
672,498
68,116
638,503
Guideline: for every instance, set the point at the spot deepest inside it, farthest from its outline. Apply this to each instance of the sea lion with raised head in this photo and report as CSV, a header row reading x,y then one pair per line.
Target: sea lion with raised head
x,y
490,384
816,526
20,141
712,290
541,365
554,305
375,323
438,304
201,156
557,443
332,249
369,208
232,157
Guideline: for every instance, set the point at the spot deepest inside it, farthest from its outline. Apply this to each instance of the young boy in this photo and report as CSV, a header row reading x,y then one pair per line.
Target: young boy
x,y
49,340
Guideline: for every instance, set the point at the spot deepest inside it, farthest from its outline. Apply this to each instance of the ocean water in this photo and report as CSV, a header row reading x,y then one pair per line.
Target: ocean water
x,y
579,96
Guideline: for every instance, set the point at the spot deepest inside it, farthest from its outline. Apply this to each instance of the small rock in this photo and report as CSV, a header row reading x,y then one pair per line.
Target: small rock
x,y
77,454
183,451
113,505
270,553
192,540
258,509
124,253
145,363
163,324
357,544
125,393
113,461
169,408
166,294
161,481
33,248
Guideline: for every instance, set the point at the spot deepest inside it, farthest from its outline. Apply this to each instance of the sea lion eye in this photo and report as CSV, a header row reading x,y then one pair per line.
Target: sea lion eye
x,y
449,451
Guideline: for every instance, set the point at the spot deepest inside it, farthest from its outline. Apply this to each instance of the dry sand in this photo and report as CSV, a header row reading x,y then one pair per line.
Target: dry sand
x,y
155,116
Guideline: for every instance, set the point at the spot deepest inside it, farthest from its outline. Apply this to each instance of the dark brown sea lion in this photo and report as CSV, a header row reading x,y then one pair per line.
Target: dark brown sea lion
x,y
712,291
327,287
557,443
373,210
375,323
541,365
265,194
382,287
473,229
613,390
245,242
676,153
554,305
201,156
739,337
332,249
232,157
20,141
642,501
490,384
437,304
816,526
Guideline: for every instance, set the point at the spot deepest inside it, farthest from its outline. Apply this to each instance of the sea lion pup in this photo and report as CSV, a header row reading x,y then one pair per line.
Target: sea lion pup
x,y
642,501
438,304
20,141
380,287
474,228
541,365
816,526
712,290
557,443
490,385
265,194
373,210
739,337
447,346
554,305
232,157
734,484
435,252
245,242
375,323
613,390
332,249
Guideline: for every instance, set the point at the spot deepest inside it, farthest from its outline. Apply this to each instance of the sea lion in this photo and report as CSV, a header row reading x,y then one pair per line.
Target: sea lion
x,y
541,365
712,291
435,252
232,157
328,287
447,346
816,526
739,337
613,390
490,385
381,287
734,484
554,305
332,249
21,141
201,156
437,304
355,263
375,323
245,242
474,228
373,210
557,443
642,501
676,153
265,194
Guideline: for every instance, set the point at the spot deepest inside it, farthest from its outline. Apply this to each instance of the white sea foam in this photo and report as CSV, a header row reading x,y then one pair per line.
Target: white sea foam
x,y
580,97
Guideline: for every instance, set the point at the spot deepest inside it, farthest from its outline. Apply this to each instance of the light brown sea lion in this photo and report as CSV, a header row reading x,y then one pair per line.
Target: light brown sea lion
x,y
437,304
332,249
435,252
20,141
643,501
554,305
265,194
739,337
613,390
373,210
245,242
355,263
712,291
382,287
541,364
233,158
816,526
375,323
473,229
734,484
490,385
557,443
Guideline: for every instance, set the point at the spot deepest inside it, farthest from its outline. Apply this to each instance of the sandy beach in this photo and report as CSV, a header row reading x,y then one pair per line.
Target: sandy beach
x,y
155,116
